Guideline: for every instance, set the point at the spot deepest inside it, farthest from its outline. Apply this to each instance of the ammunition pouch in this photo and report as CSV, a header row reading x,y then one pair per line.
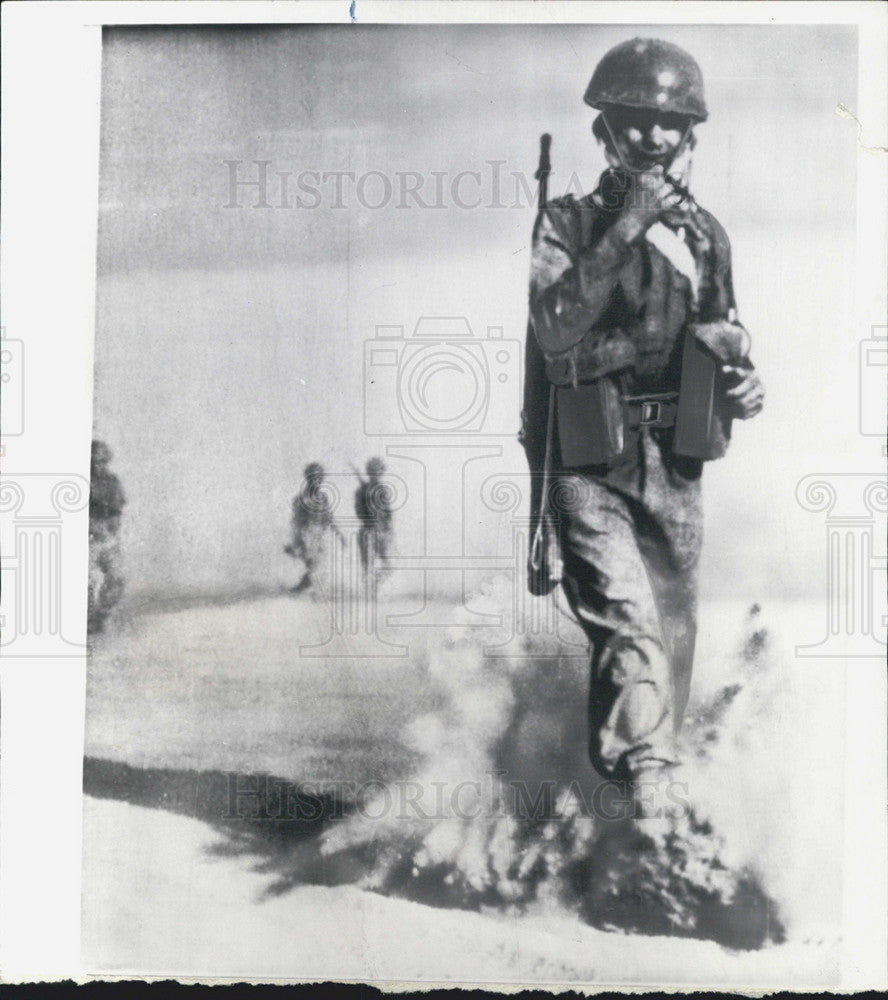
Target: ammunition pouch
x,y
591,420
703,423
599,421
599,353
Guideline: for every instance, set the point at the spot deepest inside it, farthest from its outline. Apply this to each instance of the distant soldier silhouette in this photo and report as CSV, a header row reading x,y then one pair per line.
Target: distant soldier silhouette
x,y
373,502
106,503
311,524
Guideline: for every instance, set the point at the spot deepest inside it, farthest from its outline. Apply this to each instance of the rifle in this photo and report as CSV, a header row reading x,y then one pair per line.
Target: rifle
x,y
543,171
544,564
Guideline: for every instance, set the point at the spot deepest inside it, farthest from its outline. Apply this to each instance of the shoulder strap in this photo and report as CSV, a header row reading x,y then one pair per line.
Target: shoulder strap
x,y
536,547
588,214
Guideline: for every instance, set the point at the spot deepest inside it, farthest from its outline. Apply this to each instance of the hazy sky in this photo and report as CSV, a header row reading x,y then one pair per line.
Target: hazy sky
x,y
231,340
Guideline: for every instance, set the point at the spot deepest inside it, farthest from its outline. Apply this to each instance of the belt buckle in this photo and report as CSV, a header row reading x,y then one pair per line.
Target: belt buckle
x,y
650,411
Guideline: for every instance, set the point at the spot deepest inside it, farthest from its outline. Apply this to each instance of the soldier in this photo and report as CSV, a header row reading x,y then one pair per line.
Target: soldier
x,y
630,302
311,524
106,503
373,508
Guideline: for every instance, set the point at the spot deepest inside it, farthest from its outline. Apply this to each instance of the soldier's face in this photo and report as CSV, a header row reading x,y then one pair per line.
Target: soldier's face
x,y
646,138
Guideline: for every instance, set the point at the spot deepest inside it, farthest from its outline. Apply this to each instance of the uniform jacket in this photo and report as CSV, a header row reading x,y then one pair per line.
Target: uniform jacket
x,y
106,499
372,504
604,297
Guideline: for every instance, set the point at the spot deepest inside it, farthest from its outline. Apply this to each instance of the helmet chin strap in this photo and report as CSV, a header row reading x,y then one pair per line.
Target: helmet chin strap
x,y
679,150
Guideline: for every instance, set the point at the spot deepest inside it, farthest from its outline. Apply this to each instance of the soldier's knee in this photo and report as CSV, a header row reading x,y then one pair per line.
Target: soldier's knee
x,y
630,658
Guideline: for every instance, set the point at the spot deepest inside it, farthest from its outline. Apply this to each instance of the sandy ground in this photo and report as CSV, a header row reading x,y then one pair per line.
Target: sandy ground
x,y
173,908
180,699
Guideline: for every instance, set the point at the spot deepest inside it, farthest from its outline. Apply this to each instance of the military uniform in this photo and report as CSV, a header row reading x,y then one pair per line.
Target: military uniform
x,y
312,524
610,302
373,508
106,503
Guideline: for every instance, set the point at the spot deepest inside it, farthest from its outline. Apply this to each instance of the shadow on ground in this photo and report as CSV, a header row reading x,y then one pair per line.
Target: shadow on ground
x,y
257,815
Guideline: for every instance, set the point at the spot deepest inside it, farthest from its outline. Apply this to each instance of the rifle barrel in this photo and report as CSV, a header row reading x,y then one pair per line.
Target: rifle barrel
x,y
543,170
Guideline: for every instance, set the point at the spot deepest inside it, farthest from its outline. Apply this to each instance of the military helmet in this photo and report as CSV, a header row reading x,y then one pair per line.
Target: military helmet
x,y
375,467
648,73
100,453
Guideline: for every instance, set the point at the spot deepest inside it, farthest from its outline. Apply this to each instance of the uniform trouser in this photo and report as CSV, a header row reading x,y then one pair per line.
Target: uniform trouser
x,y
630,576
374,542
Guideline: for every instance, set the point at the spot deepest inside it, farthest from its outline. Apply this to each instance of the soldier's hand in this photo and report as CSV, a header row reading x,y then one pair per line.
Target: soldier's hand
x,y
651,195
746,394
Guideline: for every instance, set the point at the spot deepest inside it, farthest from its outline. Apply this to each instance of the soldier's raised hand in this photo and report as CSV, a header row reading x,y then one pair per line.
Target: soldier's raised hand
x,y
650,196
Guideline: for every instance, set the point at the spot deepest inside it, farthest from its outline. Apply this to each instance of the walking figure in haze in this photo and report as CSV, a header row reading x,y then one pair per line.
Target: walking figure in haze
x,y
106,503
373,506
636,365
312,526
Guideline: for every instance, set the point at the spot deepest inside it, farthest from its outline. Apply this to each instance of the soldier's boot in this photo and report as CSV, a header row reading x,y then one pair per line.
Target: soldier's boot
x,y
659,802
